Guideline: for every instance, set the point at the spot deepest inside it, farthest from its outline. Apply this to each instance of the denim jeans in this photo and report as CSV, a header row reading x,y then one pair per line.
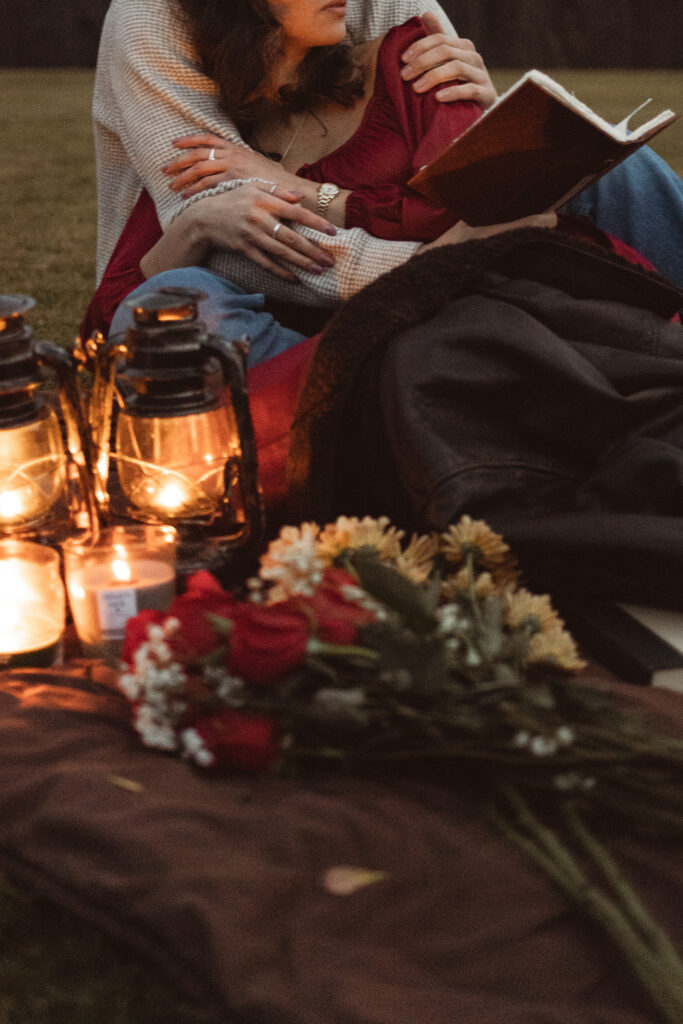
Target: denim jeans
x,y
641,202
228,311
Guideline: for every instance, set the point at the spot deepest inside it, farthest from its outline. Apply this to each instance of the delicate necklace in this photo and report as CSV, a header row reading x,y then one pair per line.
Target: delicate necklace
x,y
279,157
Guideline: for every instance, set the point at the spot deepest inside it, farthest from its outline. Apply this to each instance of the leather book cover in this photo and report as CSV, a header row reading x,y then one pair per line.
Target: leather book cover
x,y
534,149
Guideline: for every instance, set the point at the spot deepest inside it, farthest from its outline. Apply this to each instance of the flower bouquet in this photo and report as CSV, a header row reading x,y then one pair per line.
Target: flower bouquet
x,y
355,648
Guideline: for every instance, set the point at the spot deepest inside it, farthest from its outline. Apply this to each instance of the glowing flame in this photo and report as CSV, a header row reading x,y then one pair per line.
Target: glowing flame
x,y
121,570
11,505
171,496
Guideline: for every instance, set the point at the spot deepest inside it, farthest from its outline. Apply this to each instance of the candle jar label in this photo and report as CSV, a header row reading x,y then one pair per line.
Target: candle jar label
x,y
115,607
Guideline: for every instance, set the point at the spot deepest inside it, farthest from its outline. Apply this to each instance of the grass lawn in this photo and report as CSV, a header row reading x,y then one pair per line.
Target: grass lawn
x,y
53,968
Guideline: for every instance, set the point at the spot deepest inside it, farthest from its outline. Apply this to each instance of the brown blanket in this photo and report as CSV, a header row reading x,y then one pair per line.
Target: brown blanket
x,y
221,879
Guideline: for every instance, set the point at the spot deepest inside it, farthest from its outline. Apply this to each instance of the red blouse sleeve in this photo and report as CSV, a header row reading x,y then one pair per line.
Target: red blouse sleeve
x,y
395,211
123,272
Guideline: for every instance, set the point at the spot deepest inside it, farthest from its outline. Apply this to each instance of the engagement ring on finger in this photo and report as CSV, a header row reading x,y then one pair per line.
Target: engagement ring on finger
x,y
277,228
212,155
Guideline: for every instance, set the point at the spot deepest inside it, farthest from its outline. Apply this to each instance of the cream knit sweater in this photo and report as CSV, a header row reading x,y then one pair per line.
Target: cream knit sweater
x,y
149,89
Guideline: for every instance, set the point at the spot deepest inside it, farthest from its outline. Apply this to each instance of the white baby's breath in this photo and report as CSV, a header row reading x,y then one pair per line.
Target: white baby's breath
x,y
292,564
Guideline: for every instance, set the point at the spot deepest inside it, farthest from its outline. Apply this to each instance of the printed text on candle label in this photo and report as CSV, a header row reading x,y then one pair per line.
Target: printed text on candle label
x,y
115,607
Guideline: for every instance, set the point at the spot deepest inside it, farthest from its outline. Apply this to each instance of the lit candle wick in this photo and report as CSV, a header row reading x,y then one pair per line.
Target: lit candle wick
x,y
121,571
11,505
172,496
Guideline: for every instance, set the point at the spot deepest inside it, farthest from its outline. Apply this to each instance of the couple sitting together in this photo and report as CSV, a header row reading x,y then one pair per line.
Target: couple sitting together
x,y
315,208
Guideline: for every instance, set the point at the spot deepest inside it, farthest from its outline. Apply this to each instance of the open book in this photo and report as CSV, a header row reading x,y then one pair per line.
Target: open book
x,y
534,149
640,644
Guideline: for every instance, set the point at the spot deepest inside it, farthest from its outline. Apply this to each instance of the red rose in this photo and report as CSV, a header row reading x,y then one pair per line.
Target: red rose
x,y
203,584
336,620
197,635
136,632
267,641
245,742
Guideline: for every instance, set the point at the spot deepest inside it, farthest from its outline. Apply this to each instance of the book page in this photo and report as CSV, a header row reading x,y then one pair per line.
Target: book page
x,y
665,622
619,131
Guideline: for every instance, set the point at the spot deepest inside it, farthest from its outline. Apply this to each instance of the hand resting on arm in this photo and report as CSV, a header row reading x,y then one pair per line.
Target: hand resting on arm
x,y
208,160
446,60
243,221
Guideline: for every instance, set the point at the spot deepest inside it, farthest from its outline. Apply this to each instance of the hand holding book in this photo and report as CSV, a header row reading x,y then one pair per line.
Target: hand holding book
x,y
534,149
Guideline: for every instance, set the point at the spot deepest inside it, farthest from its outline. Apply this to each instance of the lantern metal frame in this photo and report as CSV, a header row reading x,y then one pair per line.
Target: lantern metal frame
x,y
23,365
168,367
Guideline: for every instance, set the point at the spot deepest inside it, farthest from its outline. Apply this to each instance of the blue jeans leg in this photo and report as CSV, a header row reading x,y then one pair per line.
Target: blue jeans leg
x,y
641,202
227,311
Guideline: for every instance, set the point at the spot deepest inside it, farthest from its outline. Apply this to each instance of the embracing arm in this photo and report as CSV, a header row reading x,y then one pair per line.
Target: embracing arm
x,y
150,90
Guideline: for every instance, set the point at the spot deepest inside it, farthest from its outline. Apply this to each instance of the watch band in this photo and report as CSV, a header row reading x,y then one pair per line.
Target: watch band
x,y
326,194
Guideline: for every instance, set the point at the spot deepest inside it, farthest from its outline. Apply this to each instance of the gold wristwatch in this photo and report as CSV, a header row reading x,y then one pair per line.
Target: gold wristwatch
x,y
326,194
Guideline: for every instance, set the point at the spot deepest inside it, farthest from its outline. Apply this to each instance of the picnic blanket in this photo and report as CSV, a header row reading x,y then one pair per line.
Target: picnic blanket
x,y
222,879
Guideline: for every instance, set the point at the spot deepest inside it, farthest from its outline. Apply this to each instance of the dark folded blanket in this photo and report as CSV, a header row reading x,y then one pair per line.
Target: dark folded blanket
x,y
524,379
222,879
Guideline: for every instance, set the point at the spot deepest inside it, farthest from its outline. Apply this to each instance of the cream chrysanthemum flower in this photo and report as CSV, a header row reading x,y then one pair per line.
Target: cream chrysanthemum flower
x,y
351,532
292,563
534,612
416,561
555,647
487,549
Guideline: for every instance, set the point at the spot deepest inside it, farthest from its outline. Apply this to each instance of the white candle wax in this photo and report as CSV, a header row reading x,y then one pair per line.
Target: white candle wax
x,y
102,602
30,618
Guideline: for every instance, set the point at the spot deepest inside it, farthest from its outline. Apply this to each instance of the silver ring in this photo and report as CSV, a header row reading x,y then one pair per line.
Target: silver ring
x,y
277,228
272,188
212,155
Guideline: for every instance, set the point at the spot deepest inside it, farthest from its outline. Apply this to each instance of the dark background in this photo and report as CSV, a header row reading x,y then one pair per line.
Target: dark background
x,y
509,33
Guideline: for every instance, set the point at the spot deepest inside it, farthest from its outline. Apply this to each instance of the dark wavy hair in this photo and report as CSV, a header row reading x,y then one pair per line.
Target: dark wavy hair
x,y
237,41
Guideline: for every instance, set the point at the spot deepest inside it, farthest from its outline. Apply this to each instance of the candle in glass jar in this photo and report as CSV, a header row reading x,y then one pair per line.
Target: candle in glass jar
x,y
104,595
31,603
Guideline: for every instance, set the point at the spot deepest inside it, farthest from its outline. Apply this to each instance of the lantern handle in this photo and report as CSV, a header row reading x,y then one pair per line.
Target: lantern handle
x,y
104,355
232,357
78,440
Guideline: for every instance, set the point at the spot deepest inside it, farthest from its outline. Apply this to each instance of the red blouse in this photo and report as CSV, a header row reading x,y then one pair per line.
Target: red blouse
x,y
401,131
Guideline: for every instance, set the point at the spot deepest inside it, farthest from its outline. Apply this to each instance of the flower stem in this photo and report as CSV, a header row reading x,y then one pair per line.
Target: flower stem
x,y
540,843
631,904
320,647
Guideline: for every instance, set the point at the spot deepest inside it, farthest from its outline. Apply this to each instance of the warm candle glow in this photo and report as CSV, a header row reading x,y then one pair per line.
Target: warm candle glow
x,y
15,592
30,616
121,570
171,496
32,465
113,575
174,468
11,505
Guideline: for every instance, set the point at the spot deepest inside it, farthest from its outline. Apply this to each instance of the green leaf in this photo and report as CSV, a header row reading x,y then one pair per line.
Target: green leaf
x,y
220,623
387,585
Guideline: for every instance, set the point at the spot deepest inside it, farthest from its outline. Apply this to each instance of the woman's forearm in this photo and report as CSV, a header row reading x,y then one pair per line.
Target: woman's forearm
x,y
185,243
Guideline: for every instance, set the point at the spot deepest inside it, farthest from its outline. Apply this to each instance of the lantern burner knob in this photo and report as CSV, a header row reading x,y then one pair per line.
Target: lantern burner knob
x,y
12,310
168,305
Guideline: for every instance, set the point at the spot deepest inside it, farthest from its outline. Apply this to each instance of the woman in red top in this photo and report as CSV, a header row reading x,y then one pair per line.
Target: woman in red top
x,y
350,120
344,133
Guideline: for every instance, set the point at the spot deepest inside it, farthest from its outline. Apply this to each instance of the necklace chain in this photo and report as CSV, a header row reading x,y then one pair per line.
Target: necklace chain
x,y
279,157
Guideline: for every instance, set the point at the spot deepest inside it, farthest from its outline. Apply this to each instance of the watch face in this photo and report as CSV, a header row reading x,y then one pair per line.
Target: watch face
x,y
326,194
